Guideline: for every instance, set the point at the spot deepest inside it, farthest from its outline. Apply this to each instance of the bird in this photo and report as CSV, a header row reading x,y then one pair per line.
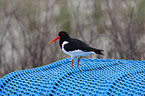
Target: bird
x,y
74,47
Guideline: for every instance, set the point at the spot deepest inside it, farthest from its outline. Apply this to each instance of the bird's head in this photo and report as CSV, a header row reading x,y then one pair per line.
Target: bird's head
x,y
61,35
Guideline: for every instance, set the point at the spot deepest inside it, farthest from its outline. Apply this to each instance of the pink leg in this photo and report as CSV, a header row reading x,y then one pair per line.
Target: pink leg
x,y
72,63
78,61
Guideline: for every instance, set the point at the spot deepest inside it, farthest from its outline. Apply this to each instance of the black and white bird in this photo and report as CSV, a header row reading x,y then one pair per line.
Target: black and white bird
x,y
74,47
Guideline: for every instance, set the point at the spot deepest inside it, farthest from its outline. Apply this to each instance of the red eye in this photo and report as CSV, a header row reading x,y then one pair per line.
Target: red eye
x,y
61,33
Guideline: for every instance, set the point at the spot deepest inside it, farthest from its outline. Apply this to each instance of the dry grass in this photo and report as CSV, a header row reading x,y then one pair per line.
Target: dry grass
x,y
117,26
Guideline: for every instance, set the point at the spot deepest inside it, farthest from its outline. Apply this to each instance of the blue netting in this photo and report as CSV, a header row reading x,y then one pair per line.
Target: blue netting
x,y
98,76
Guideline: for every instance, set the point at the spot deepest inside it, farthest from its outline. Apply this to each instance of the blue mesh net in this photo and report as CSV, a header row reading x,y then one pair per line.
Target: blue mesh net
x,y
92,77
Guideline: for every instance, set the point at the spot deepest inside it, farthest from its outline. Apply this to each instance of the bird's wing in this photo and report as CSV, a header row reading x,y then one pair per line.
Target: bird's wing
x,y
77,45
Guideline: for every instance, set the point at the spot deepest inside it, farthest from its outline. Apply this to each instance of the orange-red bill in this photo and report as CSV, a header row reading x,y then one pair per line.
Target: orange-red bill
x,y
54,39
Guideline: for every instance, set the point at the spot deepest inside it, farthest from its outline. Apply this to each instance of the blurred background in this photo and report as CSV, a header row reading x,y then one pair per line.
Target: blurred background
x,y
26,27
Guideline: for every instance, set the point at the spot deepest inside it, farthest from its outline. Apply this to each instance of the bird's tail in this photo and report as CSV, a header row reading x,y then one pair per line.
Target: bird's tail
x,y
97,51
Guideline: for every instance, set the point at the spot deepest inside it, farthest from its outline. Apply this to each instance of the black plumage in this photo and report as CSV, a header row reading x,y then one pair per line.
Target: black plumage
x,y
74,47
75,44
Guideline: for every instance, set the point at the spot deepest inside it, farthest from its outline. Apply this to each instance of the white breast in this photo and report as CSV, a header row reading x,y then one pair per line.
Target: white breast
x,y
65,42
75,53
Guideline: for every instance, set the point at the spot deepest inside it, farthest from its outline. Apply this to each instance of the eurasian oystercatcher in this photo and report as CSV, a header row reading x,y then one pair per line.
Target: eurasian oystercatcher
x,y
74,47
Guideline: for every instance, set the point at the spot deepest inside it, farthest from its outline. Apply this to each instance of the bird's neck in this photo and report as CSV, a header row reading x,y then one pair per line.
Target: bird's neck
x,y
62,40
